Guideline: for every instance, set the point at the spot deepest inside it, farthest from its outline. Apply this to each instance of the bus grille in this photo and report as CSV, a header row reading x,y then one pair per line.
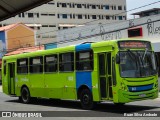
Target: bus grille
x,y
140,88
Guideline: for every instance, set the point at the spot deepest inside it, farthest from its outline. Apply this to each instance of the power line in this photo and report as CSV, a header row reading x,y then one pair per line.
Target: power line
x,y
88,22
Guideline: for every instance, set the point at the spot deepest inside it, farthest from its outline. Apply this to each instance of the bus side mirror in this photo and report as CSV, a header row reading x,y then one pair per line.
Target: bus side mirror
x,y
117,59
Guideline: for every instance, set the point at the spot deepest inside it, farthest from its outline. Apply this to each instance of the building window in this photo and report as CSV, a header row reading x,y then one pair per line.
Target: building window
x,y
64,5
57,4
37,15
44,25
101,6
120,17
58,15
85,16
79,16
52,25
107,17
22,66
93,6
51,63
88,6
124,7
79,6
71,16
30,15
36,65
73,5
19,15
107,7
94,17
135,32
65,28
114,7
64,16
44,14
23,15
51,14
84,60
119,7
102,17
88,16
66,62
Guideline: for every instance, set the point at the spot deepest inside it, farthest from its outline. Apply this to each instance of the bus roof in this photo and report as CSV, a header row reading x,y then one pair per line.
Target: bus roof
x,y
66,49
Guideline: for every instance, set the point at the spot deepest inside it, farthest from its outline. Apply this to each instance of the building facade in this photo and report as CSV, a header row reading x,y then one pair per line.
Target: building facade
x,y
15,36
62,14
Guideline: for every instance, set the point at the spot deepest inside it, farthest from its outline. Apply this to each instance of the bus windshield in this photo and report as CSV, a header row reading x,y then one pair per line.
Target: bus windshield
x,y
135,64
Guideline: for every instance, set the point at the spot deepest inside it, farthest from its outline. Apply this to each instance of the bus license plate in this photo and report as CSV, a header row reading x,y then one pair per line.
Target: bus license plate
x,y
142,95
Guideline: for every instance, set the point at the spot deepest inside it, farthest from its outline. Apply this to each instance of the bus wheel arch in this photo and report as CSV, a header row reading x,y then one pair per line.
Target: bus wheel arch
x,y
86,98
25,95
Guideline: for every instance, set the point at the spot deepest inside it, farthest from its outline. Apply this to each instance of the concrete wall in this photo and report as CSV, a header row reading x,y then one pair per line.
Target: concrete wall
x,y
20,36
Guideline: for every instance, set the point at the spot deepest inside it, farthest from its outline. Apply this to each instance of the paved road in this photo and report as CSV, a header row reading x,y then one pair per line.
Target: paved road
x,y
8,103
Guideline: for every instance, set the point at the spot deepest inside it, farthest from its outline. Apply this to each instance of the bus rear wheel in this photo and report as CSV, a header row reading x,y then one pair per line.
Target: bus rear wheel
x,y
25,95
86,99
119,104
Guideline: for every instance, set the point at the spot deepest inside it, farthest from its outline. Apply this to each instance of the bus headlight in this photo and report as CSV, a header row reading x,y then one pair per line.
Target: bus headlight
x,y
123,86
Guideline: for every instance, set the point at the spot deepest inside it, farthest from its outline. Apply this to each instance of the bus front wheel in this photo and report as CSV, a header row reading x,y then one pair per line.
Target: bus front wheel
x,y
25,95
86,99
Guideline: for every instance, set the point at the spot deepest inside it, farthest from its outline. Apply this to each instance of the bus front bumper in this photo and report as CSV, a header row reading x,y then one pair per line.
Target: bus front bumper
x,y
125,96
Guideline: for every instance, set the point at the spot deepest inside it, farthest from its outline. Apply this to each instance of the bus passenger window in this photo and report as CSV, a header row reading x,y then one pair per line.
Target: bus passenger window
x,y
51,63
36,65
22,66
84,60
66,62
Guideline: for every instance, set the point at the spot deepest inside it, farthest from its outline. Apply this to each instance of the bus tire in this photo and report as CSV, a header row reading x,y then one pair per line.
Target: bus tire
x,y
119,104
25,95
86,99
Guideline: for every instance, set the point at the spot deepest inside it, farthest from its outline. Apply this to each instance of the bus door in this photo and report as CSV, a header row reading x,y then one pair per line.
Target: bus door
x,y
11,78
105,75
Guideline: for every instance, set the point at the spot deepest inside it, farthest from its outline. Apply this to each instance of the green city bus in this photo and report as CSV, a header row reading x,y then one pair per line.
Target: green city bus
x,y
121,71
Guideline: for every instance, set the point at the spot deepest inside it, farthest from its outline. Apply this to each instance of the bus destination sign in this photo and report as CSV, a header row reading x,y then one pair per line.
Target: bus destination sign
x,y
134,44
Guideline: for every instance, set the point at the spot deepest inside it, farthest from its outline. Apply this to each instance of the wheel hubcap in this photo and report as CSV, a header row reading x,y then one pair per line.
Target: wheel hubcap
x,y
25,95
85,99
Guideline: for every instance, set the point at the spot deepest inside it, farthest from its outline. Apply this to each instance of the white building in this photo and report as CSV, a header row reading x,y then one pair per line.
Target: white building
x,y
62,14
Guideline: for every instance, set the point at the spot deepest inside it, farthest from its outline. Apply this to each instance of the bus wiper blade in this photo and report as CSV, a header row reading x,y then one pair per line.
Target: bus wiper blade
x,y
131,54
145,53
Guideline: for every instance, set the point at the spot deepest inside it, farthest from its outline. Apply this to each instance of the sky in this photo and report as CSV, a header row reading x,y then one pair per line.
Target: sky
x,y
131,4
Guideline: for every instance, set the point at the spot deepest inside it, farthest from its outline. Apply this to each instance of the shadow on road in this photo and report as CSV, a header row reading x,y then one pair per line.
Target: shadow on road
x,y
101,107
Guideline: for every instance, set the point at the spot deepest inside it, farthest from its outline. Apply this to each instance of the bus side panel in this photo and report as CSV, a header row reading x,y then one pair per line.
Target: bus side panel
x,y
95,80
68,85
37,85
22,80
5,83
53,85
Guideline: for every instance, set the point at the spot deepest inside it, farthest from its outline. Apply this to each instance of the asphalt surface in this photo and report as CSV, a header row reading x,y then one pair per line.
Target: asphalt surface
x,y
66,109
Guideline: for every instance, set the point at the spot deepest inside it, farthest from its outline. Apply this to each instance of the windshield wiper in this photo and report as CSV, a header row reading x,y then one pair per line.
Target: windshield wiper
x,y
145,53
136,59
